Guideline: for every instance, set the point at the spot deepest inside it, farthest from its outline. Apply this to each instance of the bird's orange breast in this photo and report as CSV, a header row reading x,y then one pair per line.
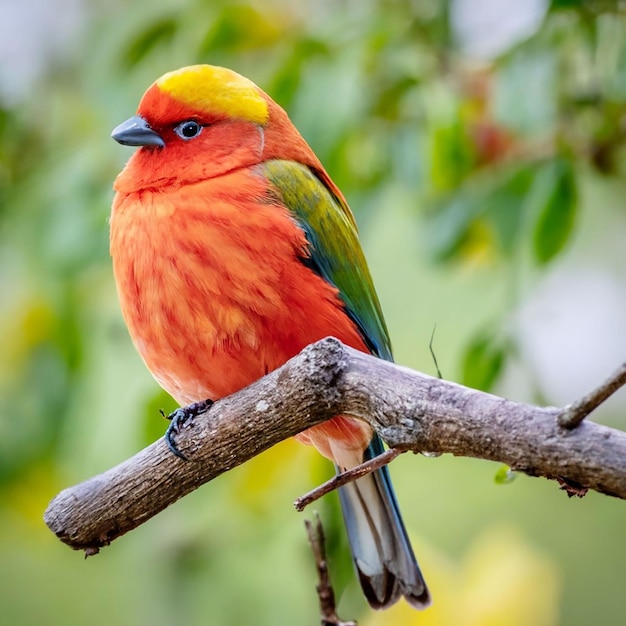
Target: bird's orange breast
x,y
212,286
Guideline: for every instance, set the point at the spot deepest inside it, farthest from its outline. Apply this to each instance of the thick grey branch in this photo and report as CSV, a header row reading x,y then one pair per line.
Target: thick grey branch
x,y
409,410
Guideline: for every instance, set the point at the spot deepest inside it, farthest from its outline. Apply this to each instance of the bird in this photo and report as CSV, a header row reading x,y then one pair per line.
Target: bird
x,y
232,250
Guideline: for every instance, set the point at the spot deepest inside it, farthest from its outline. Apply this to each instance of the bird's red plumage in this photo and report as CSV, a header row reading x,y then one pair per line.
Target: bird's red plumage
x,y
214,292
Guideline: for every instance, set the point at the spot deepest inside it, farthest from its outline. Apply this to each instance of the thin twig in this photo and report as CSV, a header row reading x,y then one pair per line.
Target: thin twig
x,y
573,414
346,477
431,347
325,591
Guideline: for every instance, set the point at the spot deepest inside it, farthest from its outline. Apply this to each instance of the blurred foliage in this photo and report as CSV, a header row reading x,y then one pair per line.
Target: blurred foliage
x,y
483,361
500,581
463,173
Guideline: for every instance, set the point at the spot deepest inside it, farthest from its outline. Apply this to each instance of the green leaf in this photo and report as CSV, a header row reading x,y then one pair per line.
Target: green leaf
x,y
286,82
156,34
483,361
505,475
554,200
450,153
505,205
447,227
500,199
240,27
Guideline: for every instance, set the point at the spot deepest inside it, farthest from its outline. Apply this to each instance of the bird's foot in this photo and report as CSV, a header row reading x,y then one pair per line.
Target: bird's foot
x,y
179,418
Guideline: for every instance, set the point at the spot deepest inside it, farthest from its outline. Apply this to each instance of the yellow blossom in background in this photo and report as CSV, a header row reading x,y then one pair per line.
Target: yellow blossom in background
x,y
501,581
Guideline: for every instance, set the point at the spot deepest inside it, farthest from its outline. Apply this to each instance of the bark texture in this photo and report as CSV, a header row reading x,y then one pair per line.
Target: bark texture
x,y
410,410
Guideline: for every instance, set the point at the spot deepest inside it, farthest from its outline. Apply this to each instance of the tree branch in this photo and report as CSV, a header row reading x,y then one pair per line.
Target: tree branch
x,y
325,591
346,477
410,410
575,413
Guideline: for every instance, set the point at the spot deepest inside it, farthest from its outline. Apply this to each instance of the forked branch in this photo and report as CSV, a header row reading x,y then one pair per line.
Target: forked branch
x,y
410,410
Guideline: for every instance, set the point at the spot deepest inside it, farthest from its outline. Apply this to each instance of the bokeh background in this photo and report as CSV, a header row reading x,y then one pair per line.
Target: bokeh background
x,y
481,146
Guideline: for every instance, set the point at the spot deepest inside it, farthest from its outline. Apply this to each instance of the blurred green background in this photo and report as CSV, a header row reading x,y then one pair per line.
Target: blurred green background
x,y
481,146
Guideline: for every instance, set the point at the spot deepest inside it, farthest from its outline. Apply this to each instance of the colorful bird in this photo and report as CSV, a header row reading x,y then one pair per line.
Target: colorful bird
x,y
232,250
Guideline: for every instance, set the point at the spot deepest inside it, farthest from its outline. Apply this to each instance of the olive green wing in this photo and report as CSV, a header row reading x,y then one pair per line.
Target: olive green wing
x,y
335,251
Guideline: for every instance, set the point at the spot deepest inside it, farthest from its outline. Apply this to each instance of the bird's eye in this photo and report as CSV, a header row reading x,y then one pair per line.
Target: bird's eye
x,y
188,130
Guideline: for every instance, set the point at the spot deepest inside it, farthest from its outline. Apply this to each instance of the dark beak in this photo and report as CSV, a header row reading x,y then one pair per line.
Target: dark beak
x,y
136,132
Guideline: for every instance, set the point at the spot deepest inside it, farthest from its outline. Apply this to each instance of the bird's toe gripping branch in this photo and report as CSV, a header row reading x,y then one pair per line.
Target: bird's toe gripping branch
x,y
179,418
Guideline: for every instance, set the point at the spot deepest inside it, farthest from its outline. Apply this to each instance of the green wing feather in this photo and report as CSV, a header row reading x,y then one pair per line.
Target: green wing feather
x,y
380,547
335,250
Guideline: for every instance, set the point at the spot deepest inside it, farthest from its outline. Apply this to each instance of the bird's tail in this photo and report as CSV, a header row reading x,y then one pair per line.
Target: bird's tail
x,y
382,554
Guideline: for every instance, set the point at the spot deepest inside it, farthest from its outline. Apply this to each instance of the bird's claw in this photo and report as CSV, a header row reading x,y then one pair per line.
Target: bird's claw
x,y
179,418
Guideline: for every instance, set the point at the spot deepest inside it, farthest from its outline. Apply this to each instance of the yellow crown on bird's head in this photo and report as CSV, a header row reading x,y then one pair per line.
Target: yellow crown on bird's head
x,y
218,89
